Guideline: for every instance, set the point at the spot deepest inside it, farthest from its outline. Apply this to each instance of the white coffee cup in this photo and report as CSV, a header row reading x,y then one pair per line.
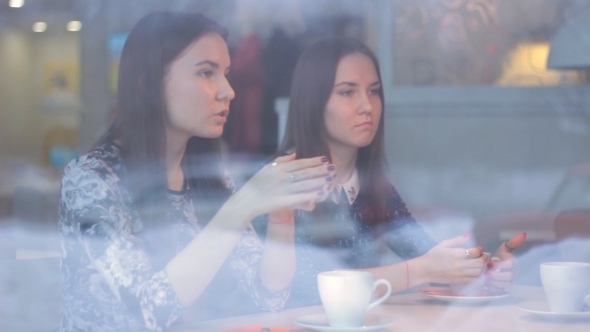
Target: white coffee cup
x,y
566,285
346,294
474,288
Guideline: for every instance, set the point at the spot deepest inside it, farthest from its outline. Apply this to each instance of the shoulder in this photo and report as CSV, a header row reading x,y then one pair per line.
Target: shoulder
x,y
394,204
391,192
394,201
93,174
386,189
104,159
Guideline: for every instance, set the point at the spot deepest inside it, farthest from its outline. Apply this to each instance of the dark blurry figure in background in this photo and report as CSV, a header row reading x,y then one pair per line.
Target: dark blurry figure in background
x,y
260,75
244,129
336,107
279,59
149,220
262,71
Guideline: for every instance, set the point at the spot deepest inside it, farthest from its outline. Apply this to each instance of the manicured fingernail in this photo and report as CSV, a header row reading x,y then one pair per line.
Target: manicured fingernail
x,y
321,193
329,179
490,265
331,168
325,159
468,234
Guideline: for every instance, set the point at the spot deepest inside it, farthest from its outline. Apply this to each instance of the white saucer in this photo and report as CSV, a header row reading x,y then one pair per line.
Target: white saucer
x,y
319,322
542,309
461,299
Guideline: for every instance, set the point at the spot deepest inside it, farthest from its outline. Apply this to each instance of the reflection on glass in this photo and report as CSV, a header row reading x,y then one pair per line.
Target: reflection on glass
x,y
478,42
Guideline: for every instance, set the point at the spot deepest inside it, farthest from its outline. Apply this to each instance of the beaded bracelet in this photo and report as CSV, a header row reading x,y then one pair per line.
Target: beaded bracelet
x,y
407,276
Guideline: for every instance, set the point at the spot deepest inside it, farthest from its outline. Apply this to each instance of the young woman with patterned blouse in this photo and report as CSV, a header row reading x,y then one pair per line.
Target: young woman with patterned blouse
x,y
336,107
149,221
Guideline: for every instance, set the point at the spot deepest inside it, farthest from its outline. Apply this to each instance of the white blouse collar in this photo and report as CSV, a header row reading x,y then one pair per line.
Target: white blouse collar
x,y
350,187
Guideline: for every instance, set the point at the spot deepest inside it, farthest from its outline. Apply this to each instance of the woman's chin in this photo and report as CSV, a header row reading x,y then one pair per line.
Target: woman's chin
x,y
364,143
213,133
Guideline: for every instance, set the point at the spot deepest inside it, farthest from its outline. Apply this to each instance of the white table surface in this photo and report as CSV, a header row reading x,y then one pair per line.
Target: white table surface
x,y
418,312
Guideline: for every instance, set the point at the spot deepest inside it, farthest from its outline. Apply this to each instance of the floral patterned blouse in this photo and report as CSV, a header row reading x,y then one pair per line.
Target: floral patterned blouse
x,y
108,281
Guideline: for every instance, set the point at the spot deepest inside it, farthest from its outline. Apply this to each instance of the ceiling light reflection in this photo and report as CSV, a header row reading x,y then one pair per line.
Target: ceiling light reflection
x,y
16,3
74,26
39,26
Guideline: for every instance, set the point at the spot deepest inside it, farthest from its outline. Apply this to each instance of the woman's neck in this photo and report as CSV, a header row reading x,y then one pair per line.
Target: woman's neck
x,y
344,158
175,148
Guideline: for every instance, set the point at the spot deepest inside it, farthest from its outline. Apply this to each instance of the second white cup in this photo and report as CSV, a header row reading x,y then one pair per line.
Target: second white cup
x,y
566,285
346,295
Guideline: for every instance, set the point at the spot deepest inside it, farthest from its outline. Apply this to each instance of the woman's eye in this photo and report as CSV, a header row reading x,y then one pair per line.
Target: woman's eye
x,y
374,92
346,93
206,73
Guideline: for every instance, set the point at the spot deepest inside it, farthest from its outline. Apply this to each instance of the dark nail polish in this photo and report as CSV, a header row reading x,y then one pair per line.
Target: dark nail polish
x,y
329,179
325,159
331,168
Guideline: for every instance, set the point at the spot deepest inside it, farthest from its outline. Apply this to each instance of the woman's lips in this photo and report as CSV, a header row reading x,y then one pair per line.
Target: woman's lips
x,y
365,125
222,116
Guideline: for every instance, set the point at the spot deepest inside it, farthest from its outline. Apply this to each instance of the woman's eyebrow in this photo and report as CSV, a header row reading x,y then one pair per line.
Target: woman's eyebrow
x,y
346,83
352,84
209,62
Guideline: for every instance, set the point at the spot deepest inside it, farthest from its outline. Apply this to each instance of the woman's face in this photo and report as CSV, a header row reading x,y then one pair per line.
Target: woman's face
x,y
354,108
197,91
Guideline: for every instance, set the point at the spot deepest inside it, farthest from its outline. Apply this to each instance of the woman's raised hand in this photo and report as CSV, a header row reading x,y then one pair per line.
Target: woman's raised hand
x,y
448,262
502,269
287,183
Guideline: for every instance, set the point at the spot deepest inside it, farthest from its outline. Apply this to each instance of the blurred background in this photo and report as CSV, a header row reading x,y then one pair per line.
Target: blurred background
x,y
487,113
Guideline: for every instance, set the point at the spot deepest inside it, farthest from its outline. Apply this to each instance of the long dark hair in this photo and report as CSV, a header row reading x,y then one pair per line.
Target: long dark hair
x,y
140,117
312,86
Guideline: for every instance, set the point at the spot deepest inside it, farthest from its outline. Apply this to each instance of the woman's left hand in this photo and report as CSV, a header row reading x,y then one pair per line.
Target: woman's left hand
x,y
502,267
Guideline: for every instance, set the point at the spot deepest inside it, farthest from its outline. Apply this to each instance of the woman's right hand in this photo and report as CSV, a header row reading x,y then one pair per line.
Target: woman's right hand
x,y
287,183
448,263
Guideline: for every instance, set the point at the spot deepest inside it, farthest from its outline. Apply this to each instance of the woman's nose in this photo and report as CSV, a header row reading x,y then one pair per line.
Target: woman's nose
x,y
225,91
365,105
